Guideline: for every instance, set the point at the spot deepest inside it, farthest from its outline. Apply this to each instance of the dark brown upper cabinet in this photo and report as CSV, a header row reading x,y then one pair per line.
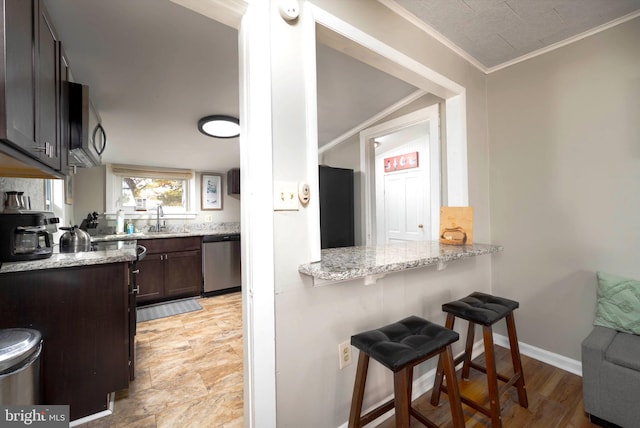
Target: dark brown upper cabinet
x,y
30,87
233,181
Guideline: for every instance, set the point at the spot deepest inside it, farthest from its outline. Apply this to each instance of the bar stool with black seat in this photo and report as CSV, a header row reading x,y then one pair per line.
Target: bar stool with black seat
x,y
485,310
400,347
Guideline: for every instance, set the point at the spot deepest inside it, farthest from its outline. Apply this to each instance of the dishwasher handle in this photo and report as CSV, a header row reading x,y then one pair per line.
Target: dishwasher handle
x,y
221,238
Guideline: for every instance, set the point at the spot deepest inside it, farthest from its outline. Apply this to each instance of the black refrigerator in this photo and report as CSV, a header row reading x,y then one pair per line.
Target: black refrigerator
x,y
336,207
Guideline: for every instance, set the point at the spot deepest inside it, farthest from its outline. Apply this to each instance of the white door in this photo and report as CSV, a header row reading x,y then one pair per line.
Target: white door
x,y
406,201
404,206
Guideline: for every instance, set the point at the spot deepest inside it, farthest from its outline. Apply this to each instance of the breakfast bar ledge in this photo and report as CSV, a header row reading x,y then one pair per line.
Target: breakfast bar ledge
x,y
375,262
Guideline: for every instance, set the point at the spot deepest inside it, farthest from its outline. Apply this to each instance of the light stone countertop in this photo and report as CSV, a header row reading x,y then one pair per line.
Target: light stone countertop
x,y
373,262
65,260
125,254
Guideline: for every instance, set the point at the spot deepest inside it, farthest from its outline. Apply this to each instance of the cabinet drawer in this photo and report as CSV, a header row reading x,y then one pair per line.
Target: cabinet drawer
x,y
168,245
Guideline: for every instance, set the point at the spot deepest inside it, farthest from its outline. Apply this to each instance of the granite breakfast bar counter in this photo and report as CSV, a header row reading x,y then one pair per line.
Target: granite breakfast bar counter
x,y
374,262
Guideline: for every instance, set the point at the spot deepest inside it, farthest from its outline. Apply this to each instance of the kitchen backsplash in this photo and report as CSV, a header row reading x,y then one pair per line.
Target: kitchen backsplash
x,y
32,187
107,226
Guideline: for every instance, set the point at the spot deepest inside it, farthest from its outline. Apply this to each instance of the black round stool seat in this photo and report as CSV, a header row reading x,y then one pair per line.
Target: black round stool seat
x,y
400,347
481,308
403,342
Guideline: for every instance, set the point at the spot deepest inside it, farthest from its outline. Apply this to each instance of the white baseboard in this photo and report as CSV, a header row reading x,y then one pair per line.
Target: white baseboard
x,y
556,360
425,382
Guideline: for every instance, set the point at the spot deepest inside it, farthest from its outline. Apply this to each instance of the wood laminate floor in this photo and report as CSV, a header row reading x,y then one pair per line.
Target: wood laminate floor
x,y
189,374
555,398
188,371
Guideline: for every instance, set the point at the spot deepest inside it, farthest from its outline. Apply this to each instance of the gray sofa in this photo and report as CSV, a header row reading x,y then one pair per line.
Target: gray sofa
x,y
611,377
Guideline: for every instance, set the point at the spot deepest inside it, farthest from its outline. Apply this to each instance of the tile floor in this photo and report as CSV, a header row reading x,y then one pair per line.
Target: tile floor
x,y
189,371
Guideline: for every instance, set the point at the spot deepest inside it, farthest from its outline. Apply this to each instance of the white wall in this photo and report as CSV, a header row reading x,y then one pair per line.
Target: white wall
x,y
310,322
565,179
90,187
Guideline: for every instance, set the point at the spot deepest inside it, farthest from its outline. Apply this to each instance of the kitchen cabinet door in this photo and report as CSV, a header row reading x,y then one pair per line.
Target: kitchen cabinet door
x,y
233,181
183,274
30,110
48,92
17,123
63,134
82,313
151,278
171,269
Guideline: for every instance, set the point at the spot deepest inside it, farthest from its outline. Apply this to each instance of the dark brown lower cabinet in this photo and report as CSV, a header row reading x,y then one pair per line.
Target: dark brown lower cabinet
x,y
171,269
83,316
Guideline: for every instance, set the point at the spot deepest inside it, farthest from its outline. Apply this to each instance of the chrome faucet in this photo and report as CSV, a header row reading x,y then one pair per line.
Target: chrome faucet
x,y
159,213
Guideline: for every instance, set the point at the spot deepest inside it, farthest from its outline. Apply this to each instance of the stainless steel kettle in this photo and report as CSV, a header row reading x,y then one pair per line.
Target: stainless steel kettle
x,y
74,240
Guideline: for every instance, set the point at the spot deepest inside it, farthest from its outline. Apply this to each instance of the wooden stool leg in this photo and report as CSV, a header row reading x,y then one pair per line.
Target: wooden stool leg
x,y
492,377
468,350
402,401
517,363
410,383
452,388
437,383
358,390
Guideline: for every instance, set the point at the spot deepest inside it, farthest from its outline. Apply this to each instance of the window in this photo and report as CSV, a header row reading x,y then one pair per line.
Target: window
x,y
140,189
141,192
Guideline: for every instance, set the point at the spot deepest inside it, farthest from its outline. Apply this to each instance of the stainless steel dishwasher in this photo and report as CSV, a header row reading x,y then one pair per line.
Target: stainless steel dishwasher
x,y
221,264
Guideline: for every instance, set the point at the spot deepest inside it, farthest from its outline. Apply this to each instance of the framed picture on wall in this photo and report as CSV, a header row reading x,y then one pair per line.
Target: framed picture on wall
x,y
68,190
210,191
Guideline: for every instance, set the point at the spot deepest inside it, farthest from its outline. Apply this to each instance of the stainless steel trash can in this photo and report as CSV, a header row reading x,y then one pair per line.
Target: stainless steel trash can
x,y
20,350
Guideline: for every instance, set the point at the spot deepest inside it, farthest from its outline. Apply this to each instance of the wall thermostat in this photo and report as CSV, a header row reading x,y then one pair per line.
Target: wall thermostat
x,y
304,193
289,10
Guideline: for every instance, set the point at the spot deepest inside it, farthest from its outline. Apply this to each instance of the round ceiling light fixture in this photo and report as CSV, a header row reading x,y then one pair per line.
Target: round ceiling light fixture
x,y
219,126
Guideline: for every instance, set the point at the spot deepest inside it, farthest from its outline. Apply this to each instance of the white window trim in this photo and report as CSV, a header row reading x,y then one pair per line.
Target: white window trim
x,y
113,189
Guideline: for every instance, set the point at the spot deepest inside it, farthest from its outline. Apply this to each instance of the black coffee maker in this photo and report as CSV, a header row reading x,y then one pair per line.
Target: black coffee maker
x,y
27,235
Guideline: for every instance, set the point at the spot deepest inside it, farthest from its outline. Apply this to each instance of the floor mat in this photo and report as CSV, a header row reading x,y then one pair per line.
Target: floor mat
x,y
163,310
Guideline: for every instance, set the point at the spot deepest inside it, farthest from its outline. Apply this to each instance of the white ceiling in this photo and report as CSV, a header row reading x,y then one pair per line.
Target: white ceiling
x,y
494,33
154,67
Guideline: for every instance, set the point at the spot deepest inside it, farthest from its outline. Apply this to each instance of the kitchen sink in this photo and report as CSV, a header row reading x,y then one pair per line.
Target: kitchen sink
x,y
162,232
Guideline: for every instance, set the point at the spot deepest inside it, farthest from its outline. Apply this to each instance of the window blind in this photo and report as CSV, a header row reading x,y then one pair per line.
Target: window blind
x,y
151,172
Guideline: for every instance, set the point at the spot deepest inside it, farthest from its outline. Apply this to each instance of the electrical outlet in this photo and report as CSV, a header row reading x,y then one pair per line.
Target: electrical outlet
x,y
208,218
344,354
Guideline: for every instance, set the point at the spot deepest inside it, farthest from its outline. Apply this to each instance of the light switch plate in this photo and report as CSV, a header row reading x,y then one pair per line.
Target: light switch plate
x,y
285,196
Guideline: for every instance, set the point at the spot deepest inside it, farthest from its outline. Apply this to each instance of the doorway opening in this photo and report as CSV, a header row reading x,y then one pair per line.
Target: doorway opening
x,y
405,157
